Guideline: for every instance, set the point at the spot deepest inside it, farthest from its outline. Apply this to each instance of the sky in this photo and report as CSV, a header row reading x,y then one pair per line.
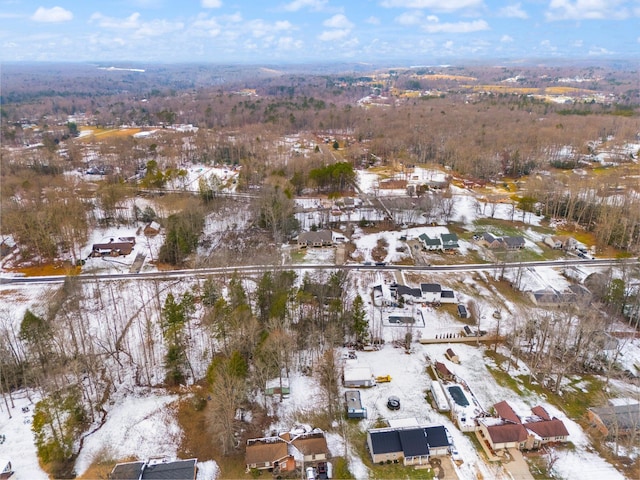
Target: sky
x,y
317,31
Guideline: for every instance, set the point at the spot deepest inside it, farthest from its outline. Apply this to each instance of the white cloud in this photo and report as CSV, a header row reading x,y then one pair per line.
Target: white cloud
x,y
458,27
289,43
332,35
440,5
506,39
586,10
51,15
338,21
130,22
156,28
513,11
409,18
373,20
599,51
211,3
260,28
300,4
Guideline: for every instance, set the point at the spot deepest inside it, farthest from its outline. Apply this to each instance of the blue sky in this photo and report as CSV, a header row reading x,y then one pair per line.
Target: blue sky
x,y
300,31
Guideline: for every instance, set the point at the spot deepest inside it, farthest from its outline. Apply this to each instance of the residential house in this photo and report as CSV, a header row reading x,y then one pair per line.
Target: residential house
x,y
513,243
354,404
508,430
411,445
155,469
124,246
429,243
615,420
312,446
408,294
431,292
573,295
320,238
283,453
508,243
449,241
270,453
561,242
489,241
447,296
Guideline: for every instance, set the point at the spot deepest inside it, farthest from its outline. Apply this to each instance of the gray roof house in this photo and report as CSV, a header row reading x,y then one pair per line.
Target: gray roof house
x,y
321,238
449,241
155,470
412,445
430,243
431,292
616,419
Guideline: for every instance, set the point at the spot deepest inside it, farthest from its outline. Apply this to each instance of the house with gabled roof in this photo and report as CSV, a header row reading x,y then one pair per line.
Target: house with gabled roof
x,y
431,292
320,238
429,243
411,445
269,453
449,241
312,446
155,469
615,419
508,430
282,453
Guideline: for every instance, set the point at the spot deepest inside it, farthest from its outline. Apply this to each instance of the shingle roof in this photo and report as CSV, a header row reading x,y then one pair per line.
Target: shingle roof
x,y
178,470
313,443
541,412
625,417
437,436
385,442
265,450
504,411
548,428
507,433
430,287
127,471
414,442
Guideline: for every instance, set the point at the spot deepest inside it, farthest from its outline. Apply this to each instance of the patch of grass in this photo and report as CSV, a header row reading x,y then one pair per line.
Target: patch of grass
x,y
358,441
341,469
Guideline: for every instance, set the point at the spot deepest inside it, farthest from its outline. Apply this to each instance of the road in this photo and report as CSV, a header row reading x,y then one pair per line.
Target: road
x,y
257,269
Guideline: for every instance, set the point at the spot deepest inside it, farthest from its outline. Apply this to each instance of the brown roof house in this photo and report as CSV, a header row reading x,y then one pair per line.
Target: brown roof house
x,y
508,430
270,453
320,238
124,246
312,446
284,452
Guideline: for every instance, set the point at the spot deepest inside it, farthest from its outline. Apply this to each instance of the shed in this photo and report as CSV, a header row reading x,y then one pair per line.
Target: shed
x,y
360,376
451,356
462,311
354,404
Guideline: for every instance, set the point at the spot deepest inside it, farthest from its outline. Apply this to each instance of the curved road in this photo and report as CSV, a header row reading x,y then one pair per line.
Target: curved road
x,y
253,269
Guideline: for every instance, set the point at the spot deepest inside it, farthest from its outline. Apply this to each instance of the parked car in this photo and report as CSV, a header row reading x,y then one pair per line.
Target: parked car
x,y
393,403
311,473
